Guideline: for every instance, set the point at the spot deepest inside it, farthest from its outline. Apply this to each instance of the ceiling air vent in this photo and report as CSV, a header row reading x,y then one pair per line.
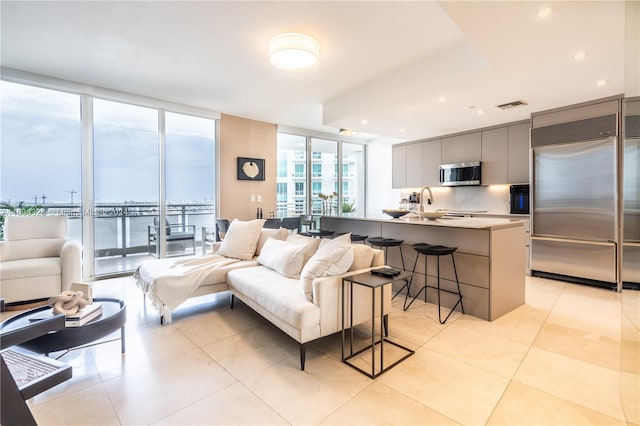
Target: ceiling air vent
x,y
512,104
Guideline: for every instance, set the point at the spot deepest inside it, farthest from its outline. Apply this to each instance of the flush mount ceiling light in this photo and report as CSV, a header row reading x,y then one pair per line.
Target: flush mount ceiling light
x,y
293,52
544,13
578,56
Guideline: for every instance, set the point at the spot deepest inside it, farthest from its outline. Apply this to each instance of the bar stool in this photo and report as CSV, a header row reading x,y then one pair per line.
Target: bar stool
x,y
385,243
438,251
355,238
318,233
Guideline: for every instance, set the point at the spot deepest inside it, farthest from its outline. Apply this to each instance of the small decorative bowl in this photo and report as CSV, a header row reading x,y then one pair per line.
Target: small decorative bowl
x,y
432,215
395,213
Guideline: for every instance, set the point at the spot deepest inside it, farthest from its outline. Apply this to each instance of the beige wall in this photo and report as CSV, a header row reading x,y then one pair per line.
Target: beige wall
x,y
240,137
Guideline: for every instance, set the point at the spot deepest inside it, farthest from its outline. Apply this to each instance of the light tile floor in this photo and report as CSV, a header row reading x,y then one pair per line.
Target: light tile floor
x,y
555,360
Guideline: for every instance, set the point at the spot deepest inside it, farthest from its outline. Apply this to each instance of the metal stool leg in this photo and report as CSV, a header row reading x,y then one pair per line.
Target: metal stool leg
x,y
459,292
439,305
457,281
424,287
426,277
407,282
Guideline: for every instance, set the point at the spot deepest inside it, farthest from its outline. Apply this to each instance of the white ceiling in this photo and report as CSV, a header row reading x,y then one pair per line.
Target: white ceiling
x,y
384,62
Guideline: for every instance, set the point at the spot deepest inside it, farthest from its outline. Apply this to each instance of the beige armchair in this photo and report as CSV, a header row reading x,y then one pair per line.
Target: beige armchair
x,y
36,259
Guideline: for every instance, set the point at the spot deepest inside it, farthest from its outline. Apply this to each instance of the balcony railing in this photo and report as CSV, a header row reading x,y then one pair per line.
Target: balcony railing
x,y
122,229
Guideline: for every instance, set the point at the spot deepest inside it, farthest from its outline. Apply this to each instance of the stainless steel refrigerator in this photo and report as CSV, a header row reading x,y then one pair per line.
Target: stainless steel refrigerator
x,y
631,198
575,214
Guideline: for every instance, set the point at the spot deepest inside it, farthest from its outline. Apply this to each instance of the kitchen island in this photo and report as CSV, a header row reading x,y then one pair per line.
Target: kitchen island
x,y
489,261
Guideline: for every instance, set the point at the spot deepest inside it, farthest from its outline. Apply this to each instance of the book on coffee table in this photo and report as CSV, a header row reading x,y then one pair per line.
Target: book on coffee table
x,y
84,315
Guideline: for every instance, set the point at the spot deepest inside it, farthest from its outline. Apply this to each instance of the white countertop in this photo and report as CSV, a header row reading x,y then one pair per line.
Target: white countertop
x,y
452,222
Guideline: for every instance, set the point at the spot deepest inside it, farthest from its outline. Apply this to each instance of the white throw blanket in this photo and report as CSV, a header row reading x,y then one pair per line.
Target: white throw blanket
x,y
169,282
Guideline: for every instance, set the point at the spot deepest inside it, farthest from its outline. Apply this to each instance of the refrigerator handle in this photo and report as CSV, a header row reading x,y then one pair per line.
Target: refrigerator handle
x,y
568,240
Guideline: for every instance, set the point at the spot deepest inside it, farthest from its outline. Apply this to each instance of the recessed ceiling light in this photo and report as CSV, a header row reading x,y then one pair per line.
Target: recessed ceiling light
x,y
601,82
480,111
512,104
544,12
580,55
364,121
293,52
348,132
442,99
403,130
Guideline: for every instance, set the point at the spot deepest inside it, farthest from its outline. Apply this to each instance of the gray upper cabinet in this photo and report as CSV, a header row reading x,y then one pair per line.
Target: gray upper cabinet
x,y
414,165
518,161
417,164
399,166
431,160
504,152
461,148
495,156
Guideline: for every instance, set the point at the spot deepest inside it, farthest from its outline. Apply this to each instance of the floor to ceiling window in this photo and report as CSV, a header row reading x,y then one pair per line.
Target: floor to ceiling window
x,y
190,177
40,153
353,179
142,166
335,182
126,181
292,178
323,161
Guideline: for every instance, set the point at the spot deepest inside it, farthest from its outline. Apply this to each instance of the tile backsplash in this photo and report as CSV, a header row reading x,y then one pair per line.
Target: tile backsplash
x,y
492,199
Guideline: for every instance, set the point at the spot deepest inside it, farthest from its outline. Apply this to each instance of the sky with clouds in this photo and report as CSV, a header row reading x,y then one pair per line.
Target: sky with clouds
x,y
40,150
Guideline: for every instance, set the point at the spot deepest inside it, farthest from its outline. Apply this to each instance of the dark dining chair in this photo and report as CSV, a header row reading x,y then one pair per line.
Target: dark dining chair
x,y
273,223
291,223
222,226
307,222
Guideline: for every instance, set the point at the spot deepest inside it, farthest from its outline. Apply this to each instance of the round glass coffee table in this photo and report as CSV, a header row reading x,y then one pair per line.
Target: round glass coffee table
x,y
114,316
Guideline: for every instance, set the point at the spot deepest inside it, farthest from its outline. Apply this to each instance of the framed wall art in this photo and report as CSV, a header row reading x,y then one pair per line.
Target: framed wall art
x,y
250,168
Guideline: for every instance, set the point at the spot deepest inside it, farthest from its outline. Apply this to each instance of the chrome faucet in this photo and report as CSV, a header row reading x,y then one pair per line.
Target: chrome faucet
x,y
429,200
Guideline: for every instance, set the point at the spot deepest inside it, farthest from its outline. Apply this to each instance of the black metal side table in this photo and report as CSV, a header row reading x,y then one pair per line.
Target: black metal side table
x,y
373,282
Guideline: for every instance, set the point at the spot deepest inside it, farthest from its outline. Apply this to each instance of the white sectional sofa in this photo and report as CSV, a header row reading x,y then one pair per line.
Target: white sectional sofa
x,y
295,282
170,282
308,311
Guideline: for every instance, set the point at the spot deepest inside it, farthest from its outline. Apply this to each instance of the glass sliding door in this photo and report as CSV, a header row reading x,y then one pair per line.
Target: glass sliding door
x,y
330,177
353,190
292,175
190,181
324,178
40,154
126,185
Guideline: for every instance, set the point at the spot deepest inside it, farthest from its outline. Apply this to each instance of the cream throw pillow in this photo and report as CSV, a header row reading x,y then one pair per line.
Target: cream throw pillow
x,y
241,239
282,257
334,257
309,243
265,234
363,256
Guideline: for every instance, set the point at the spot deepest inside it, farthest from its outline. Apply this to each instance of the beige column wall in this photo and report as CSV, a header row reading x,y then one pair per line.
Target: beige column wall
x,y
240,137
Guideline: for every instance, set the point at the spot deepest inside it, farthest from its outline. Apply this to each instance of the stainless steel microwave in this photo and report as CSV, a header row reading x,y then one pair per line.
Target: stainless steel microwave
x,y
459,174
